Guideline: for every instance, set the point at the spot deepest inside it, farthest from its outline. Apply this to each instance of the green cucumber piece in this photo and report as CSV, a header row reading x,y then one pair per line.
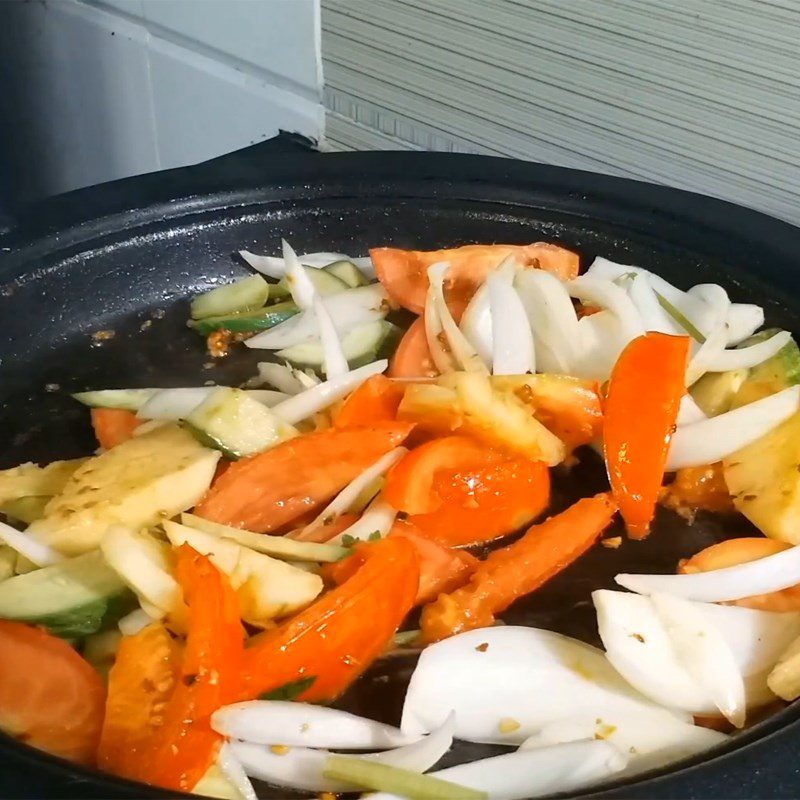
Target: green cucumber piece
x,y
714,392
231,421
279,291
362,345
276,546
324,282
128,399
247,321
73,598
348,272
245,294
771,376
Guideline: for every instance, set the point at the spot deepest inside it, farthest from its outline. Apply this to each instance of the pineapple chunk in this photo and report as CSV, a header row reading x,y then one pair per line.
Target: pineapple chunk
x,y
8,559
466,403
764,481
28,480
784,680
266,588
136,483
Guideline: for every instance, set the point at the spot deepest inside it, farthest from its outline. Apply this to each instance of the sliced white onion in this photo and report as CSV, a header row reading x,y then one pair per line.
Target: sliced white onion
x,y
648,746
528,678
345,499
304,725
377,519
461,350
689,411
476,324
718,305
643,296
275,266
177,404
703,652
600,343
769,574
301,768
40,554
334,361
712,325
347,310
750,356
134,622
234,772
299,284
552,318
744,319
713,439
281,376
512,341
309,402
535,772
611,297
644,650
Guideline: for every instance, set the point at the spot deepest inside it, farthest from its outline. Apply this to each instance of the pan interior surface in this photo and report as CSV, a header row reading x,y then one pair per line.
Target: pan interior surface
x,y
112,313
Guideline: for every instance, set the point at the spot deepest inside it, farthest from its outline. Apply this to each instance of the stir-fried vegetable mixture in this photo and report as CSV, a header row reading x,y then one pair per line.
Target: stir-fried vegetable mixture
x,y
182,607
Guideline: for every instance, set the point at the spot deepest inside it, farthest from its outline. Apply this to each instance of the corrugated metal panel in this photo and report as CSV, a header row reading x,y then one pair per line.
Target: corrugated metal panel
x,y
702,94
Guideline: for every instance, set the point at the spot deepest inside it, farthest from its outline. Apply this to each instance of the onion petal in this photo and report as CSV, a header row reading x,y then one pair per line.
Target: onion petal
x,y
645,299
307,403
278,722
750,356
535,772
769,574
528,678
281,376
744,319
334,361
137,620
476,323
713,439
648,746
689,412
234,772
39,553
342,502
375,522
300,285
275,266
611,297
301,768
347,309
512,341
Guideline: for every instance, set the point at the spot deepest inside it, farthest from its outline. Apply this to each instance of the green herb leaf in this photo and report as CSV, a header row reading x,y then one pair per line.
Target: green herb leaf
x,y
348,540
382,778
374,536
680,318
291,690
402,638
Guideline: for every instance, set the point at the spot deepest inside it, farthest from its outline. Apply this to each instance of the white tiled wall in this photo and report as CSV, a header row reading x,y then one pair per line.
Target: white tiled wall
x,y
92,91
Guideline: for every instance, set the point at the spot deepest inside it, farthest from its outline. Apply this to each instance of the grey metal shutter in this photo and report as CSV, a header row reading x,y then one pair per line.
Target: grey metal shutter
x,y
700,94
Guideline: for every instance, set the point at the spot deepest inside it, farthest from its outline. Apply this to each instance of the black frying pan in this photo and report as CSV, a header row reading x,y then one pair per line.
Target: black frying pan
x,y
125,256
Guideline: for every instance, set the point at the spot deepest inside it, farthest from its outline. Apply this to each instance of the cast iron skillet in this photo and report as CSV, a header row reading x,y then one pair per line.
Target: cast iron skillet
x,y
124,257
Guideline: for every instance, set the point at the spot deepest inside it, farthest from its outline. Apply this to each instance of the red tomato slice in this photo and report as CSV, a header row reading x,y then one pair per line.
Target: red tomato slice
x,y
50,697
376,400
413,359
404,273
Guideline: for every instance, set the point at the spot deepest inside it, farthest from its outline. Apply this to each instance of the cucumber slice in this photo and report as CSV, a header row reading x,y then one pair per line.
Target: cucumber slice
x,y
129,399
236,424
324,282
73,598
247,321
276,546
245,294
177,404
348,272
364,344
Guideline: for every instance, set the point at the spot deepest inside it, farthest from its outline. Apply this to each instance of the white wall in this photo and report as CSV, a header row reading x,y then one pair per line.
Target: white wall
x,y
95,90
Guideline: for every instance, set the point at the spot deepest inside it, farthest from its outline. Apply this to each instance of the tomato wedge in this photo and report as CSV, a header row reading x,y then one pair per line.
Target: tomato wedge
x,y
336,638
404,273
141,681
185,745
519,569
376,400
413,358
410,482
113,426
641,407
274,488
50,698
485,504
